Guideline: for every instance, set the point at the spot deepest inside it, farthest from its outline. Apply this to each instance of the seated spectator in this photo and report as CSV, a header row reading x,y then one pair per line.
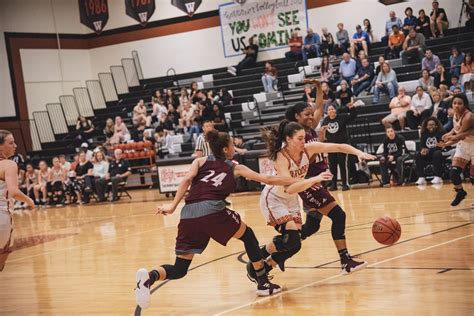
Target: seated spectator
x,y
413,47
343,41
420,108
85,128
394,150
171,99
85,149
328,96
386,82
121,133
410,21
42,186
108,130
326,69
269,76
295,43
440,110
184,96
430,61
64,163
218,118
393,20
311,45
441,77
368,29
399,106
430,136
195,128
467,70
360,40
225,98
455,61
309,94
139,117
239,145
344,98
194,92
423,24
31,181
361,55
210,96
251,53
395,43
202,148
119,170
99,172
364,77
186,115
438,20
83,169
158,108
157,97
347,68
56,180
456,84
327,42
426,81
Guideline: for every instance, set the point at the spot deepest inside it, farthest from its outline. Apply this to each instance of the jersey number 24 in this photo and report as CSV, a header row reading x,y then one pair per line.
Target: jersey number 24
x,y
216,180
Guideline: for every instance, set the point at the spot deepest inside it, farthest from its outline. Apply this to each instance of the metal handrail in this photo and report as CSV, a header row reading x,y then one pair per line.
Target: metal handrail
x,y
174,76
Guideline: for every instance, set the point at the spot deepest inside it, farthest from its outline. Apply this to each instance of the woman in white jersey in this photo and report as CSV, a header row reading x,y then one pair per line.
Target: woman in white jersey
x,y
8,191
280,205
463,135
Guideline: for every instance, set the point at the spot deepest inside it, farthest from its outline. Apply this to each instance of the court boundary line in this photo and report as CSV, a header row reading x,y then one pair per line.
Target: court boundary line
x,y
268,298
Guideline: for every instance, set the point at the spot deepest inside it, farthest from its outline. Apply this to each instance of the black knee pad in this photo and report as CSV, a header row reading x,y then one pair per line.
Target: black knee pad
x,y
178,270
455,175
338,228
251,245
312,224
289,241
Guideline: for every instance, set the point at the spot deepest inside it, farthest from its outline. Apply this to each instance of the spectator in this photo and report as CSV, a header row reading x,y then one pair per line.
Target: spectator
x,y
99,173
347,68
158,108
56,179
423,24
251,53
326,70
360,40
31,179
194,92
186,115
361,55
413,47
85,149
393,151
368,29
399,106
438,20
420,108
225,98
269,76
441,77
309,95
109,130
85,128
139,114
469,16
455,61
121,133
21,180
43,174
379,67
395,44
327,42
364,77
328,96
342,38
119,171
311,45
295,43
171,99
239,145
194,129
393,20
426,81
456,84
344,98
157,97
184,96
430,61
202,146
467,69
430,136
218,118
85,184
334,130
440,110
386,82
410,21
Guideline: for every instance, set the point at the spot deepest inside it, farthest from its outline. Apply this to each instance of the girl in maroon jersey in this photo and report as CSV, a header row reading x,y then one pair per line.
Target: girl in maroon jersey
x,y
205,216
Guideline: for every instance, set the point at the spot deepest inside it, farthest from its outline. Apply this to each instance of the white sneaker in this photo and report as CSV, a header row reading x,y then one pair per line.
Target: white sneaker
x,y
420,181
142,292
436,180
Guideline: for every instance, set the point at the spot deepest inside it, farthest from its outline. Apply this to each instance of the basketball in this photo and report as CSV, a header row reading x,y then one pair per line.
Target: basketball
x,y
386,230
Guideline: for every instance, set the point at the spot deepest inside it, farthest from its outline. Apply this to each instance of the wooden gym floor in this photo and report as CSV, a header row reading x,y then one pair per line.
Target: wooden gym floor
x,y
82,260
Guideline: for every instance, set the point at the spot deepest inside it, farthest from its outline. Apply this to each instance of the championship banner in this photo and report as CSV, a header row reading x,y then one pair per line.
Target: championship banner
x,y
187,6
271,20
94,14
140,10
171,176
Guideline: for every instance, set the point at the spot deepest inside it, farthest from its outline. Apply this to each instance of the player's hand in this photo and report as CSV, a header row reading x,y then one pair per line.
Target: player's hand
x,y
365,156
325,176
165,210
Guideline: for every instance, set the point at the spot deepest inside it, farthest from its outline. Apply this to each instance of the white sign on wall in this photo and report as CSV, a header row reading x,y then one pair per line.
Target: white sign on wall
x,y
272,21
171,176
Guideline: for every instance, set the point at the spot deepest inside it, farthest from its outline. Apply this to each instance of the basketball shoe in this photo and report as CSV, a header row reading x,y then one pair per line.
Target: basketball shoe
x,y
142,291
349,265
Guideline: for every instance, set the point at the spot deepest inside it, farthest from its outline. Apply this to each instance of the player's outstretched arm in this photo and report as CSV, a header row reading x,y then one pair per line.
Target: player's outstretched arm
x,y
247,173
317,148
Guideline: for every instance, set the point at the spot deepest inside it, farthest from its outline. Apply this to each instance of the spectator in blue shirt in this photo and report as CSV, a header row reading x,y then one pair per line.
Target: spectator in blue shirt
x,y
347,68
455,61
311,45
410,21
389,24
360,40
364,77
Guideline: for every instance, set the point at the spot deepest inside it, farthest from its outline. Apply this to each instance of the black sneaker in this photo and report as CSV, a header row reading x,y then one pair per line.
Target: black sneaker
x,y
265,287
460,195
252,275
345,188
333,188
349,265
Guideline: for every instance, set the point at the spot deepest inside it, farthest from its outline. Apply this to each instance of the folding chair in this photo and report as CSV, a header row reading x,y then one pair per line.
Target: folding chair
x,y
121,187
411,148
375,163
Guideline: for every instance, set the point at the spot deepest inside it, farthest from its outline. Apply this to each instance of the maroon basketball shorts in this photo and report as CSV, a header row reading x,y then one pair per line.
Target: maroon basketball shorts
x,y
194,233
315,198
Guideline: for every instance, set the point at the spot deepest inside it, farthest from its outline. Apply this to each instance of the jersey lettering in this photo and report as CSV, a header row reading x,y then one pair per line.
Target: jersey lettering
x,y
217,180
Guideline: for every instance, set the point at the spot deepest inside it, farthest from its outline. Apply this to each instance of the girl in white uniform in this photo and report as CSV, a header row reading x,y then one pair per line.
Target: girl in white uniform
x,y
8,191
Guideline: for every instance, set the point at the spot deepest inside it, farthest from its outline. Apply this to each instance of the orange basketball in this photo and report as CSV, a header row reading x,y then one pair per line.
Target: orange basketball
x,y
141,145
386,230
148,144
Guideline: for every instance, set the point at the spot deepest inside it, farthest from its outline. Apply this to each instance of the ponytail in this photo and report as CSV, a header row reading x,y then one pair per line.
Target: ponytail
x,y
218,141
275,136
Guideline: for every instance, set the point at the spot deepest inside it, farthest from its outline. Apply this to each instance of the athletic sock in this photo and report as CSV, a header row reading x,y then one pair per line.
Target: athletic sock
x,y
264,252
153,275
344,254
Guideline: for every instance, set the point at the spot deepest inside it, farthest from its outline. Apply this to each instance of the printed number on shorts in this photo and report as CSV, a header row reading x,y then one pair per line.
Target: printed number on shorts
x,y
217,180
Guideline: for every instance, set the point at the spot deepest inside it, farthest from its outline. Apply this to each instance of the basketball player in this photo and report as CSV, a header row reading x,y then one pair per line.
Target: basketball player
x,y
8,191
463,135
280,205
205,216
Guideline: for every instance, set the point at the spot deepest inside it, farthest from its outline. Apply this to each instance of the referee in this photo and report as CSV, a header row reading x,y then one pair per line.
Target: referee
x,y
202,148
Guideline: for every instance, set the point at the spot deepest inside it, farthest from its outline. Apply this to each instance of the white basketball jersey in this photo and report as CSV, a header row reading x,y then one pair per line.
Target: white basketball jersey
x,y
457,126
6,203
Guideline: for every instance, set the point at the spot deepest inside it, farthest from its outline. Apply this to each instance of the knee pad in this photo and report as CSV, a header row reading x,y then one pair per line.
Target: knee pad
x,y
312,224
338,228
289,241
251,245
455,175
178,270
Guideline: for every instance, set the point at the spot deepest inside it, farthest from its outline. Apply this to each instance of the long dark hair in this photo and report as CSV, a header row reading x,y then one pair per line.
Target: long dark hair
x,y
324,63
218,141
291,112
276,135
425,124
465,58
369,26
465,100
